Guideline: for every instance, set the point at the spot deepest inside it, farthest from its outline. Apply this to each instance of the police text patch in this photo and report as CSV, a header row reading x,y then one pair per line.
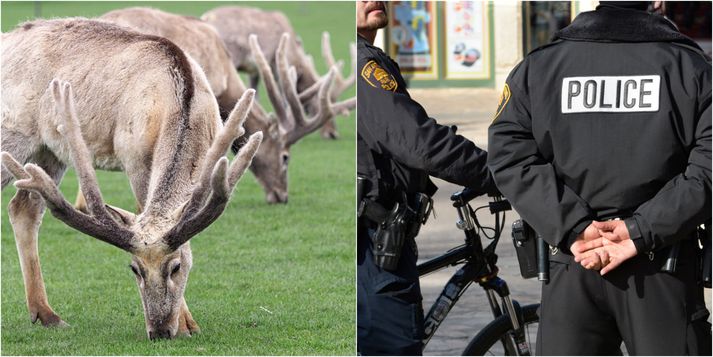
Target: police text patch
x,y
611,94
378,77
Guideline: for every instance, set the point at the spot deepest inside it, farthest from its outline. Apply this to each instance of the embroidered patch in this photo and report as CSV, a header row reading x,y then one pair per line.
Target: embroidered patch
x,y
378,77
504,99
613,94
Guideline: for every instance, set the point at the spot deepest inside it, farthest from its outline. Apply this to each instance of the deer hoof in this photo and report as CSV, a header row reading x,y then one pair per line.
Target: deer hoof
x,y
48,320
330,135
187,326
189,331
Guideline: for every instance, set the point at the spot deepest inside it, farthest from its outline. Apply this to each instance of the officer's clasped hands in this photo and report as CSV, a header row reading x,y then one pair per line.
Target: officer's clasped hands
x,y
603,246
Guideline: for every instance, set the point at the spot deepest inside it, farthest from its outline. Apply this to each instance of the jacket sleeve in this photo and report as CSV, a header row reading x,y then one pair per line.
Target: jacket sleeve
x,y
525,177
685,201
395,125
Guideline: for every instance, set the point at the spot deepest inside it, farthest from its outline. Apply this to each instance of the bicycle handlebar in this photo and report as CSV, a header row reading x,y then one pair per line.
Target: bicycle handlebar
x,y
466,194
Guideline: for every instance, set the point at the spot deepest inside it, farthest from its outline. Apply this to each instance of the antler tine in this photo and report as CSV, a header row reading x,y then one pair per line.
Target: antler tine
x,y
327,50
244,159
70,129
13,166
223,181
308,65
271,86
310,91
232,130
257,112
349,81
341,84
324,111
35,179
289,87
329,60
344,106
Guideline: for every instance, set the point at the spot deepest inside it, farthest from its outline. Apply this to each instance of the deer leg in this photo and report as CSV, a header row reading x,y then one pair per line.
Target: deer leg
x,y
26,210
329,130
186,325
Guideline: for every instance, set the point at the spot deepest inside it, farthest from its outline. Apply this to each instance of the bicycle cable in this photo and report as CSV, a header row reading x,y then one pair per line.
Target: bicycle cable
x,y
482,228
496,230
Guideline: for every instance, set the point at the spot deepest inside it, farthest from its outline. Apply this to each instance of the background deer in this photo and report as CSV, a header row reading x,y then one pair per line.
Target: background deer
x,y
235,24
142,106
201,41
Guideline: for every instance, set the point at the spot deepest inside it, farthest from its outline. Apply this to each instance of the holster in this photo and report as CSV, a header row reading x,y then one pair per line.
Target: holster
x,y
395,227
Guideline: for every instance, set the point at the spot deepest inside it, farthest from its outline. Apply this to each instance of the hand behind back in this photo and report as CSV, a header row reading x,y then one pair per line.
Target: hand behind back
x,y
603,246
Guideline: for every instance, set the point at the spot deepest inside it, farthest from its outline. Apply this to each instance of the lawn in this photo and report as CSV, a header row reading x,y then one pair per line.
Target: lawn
x,y
266,279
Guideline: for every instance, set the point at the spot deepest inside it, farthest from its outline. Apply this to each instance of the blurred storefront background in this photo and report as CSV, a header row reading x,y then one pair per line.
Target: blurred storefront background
x,y
476,44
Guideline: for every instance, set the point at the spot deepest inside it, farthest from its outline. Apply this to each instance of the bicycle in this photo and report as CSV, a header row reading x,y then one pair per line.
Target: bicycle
x,y
511,325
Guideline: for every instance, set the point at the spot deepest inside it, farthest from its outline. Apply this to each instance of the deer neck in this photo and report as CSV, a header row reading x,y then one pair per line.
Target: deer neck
x,y
177,157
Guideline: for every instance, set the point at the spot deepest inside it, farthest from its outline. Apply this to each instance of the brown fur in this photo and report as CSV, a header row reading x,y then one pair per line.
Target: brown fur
x,y
201,41
137,103
236,23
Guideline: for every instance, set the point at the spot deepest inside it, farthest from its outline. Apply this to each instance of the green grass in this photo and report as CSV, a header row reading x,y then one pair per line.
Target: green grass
x,y
295,260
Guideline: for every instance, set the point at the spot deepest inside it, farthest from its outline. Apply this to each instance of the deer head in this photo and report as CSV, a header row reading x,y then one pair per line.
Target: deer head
x,y
161,259
288,123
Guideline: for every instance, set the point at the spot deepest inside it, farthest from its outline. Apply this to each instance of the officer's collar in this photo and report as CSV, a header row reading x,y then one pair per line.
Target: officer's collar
x,y
363,41
608,23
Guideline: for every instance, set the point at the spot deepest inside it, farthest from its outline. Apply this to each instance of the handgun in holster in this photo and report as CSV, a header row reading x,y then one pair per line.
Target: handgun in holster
x,y
402,224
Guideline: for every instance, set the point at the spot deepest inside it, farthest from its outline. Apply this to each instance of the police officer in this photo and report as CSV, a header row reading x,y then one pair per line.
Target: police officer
x,y
602,142
398,147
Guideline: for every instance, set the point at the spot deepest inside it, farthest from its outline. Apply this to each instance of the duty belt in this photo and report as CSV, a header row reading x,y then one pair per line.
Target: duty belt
x,y
422,206
372,210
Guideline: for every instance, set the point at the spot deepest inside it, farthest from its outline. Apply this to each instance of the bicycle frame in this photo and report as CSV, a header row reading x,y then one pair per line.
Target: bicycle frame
x,y
477,267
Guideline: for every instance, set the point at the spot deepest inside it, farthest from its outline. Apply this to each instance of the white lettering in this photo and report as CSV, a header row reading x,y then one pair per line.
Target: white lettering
x,y
610,94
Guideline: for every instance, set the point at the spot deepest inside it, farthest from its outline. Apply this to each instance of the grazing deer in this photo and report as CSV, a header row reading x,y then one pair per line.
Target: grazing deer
x,y
136,103
294,123
235,24
201,41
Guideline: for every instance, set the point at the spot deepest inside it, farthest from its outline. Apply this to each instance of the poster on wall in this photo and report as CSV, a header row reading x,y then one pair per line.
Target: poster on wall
x,y
467,40
412,39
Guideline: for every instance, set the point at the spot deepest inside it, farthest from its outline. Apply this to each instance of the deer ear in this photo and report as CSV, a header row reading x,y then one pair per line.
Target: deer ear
x,y
121,216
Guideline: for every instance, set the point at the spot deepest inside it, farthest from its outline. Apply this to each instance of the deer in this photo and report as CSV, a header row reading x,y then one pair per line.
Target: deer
x,y
235,24
281,87
202,42
94,95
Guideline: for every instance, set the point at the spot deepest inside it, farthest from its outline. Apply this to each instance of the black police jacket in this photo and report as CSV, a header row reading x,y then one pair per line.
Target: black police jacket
x,y
398,145
612,119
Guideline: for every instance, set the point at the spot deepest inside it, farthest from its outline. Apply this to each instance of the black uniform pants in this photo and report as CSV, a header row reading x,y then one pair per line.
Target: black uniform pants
x,y
654,313
389,310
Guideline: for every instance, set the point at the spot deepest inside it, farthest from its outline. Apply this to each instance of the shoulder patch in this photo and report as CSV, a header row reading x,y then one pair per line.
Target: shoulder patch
x,y
504,99
378,77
